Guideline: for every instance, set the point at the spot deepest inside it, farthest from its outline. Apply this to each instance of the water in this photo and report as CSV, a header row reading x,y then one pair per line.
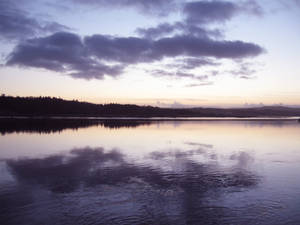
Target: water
x,y
149,172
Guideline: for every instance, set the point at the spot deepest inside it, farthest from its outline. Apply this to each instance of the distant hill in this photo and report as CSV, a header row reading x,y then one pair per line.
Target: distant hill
x,y
47,106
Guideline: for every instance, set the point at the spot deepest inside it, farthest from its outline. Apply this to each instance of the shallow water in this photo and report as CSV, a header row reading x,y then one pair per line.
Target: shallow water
x,y
150,172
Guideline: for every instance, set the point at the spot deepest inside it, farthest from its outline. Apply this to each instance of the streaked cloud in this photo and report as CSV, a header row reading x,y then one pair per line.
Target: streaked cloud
x,y
178,74
207,83
152,7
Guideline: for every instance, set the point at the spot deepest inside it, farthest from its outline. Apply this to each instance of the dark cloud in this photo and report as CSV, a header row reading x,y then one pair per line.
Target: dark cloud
x,y
198,44
16,24
204,12
158,7
158,31
185,45
61,52
99,55
164,29
115,49
198,11
201,31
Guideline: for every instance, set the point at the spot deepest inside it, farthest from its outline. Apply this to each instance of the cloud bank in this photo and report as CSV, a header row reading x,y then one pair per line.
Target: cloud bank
x,y
190,43
98,55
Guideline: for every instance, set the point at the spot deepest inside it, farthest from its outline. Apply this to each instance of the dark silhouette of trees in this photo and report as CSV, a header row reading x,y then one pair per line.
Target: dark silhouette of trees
x,y
49,106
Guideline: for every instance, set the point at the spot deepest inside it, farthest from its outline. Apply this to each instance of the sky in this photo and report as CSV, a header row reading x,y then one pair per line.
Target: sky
x,y
166,53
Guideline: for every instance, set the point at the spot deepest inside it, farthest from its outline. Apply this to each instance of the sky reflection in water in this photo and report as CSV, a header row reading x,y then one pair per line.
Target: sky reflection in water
x,y
157,173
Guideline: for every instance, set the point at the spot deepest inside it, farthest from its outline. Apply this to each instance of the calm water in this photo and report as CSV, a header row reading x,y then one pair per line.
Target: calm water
x,y
171,172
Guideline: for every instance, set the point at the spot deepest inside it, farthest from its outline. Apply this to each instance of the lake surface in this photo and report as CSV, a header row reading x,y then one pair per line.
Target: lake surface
x,y
149,172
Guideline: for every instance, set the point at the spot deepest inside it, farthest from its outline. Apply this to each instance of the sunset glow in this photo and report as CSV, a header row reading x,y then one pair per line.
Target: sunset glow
x,y
161,53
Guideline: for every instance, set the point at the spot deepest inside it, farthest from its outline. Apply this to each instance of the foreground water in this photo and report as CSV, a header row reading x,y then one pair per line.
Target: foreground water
x,y
151,172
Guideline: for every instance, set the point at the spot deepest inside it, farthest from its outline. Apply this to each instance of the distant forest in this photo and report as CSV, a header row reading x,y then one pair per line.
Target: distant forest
x,y
49,106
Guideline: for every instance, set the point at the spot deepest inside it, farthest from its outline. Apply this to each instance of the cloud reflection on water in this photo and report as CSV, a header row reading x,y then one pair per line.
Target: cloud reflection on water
x,y
87,166
109,182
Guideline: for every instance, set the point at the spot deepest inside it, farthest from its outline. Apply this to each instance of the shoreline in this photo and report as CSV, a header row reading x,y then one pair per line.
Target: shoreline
x,y
294,118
